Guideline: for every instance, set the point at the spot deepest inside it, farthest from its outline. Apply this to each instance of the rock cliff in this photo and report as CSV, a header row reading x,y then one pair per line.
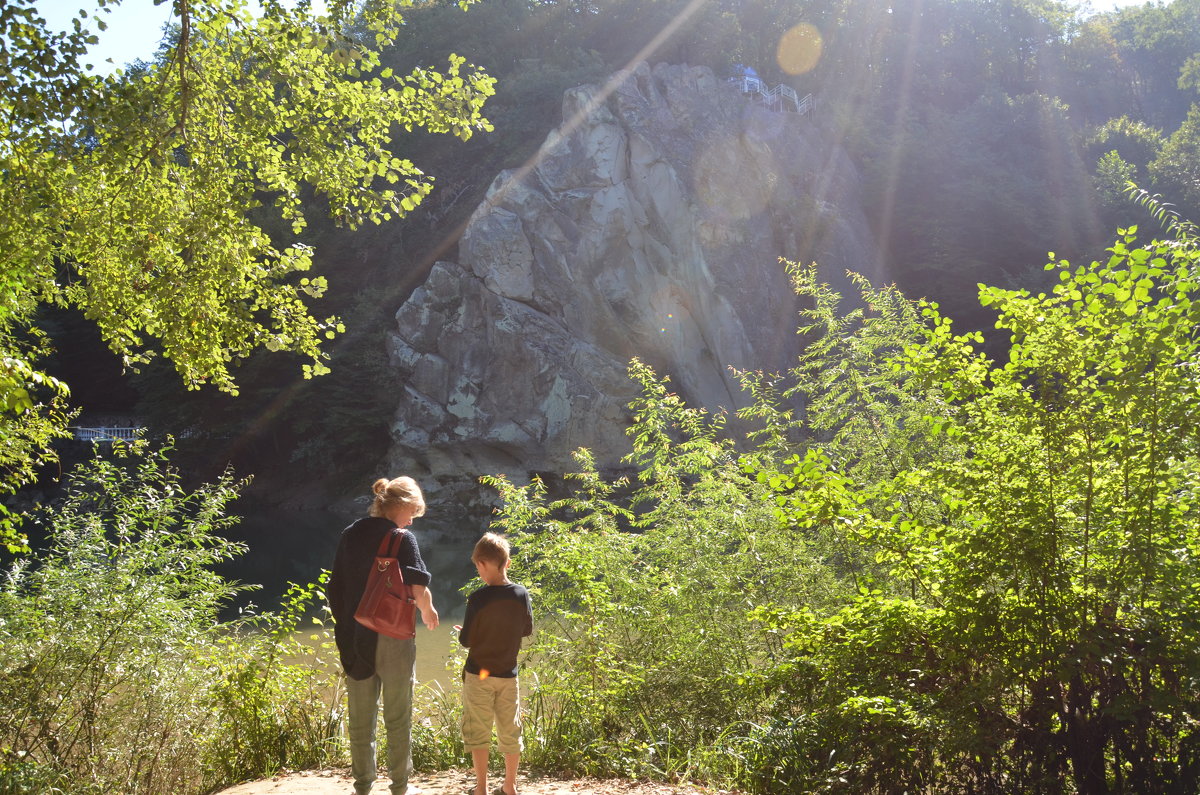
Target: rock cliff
x,y
649,224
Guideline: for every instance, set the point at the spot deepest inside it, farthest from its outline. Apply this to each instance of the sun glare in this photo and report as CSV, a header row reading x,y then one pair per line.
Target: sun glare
x,y
799,49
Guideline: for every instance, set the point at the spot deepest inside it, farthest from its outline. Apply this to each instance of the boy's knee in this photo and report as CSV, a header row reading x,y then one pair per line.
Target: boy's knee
x,y
511,750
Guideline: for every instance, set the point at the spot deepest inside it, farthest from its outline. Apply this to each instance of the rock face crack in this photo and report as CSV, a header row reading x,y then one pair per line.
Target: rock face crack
x,y
651,225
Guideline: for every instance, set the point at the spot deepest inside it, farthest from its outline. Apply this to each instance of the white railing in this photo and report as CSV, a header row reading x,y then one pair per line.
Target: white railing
x,y
106,434
776,98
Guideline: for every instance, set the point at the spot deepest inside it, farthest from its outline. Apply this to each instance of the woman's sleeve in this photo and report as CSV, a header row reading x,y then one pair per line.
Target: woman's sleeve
x,y
411,566
334,591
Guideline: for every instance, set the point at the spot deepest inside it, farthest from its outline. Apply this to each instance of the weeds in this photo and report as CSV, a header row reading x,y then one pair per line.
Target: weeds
x,y
116,674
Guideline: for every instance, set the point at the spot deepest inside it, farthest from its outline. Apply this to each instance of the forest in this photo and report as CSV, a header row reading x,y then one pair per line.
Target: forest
x,y
956,550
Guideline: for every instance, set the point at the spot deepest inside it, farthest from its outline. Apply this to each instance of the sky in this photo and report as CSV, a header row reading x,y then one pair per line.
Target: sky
x,y
135,27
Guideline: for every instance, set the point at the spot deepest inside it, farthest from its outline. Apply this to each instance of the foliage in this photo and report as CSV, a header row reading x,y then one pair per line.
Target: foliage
x,y
1122,150
1155,42
1112,175
33,413
275,696
663,569
112,636
1176,170
927,570
437,728
1136,142
1047,640
130,196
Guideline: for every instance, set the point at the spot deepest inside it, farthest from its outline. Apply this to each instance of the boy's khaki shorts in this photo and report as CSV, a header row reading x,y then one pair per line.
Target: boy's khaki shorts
x,y
488,700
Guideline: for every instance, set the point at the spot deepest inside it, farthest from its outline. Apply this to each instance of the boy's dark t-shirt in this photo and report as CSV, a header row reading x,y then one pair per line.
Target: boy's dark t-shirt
x,y
498,616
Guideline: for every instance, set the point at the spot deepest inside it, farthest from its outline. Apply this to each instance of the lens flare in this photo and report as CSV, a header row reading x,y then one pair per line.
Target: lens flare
x,y
799,49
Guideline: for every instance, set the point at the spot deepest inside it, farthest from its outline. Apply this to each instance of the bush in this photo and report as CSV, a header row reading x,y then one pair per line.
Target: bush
x,y
116,674
1033,629
927,571
665,571
436,733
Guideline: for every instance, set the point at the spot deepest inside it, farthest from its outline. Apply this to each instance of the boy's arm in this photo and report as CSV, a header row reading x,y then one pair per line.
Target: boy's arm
x,y
424,600
528,628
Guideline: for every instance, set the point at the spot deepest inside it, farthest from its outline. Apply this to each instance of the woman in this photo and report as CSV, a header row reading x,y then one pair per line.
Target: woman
x,y
375,664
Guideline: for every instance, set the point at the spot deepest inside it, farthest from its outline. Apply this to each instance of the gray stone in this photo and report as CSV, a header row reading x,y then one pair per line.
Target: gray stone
x,y
651,225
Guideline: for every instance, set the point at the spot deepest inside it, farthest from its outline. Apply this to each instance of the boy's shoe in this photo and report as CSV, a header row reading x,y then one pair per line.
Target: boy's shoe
x,y
500,791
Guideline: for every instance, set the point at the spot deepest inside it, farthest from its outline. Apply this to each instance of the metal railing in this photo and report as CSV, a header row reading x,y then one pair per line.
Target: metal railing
x,y
776,98
105,434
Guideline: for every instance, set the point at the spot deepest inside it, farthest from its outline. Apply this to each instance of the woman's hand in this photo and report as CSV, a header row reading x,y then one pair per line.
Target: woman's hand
x,y
429,617
424,600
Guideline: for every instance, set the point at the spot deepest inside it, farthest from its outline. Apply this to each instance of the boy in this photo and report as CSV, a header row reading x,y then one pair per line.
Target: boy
x,y
498,616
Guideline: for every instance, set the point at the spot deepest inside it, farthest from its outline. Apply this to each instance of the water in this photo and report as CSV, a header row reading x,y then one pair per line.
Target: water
x,y
434,651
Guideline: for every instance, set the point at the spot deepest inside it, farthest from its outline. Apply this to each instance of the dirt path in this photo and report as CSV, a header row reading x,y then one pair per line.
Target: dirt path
x,y
455,782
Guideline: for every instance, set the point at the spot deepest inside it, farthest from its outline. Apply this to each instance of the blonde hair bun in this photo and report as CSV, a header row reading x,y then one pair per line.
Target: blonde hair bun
x,y
402,490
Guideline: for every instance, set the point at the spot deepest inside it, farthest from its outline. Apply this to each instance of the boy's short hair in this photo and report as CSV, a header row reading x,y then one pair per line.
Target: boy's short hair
x,y
492,548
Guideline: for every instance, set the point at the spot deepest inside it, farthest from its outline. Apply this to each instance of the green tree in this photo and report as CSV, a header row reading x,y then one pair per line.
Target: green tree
x,y
1045,639
1122,150
1176,170
1189,75
145,199
1137,143
1155,41
1096,85
1113,175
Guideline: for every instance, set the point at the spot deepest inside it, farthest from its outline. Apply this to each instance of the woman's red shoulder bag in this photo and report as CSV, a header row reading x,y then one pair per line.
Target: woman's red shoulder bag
x,y
387,605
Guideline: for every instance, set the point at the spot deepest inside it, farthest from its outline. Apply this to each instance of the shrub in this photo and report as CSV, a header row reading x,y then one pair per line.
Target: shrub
x,y
116,674
666,571
1037,608
927,571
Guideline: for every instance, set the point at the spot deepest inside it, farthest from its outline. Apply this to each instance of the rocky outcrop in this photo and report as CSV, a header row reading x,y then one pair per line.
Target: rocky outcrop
x,y
649,224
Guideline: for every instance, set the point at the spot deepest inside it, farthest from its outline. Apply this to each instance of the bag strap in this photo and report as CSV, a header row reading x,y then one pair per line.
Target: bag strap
x,y
385,544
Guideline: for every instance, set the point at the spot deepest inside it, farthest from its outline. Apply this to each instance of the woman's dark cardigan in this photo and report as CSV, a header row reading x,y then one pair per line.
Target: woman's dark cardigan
x,y
355,555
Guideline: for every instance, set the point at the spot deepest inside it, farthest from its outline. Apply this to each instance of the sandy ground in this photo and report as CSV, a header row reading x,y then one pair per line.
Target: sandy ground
x,y
457,782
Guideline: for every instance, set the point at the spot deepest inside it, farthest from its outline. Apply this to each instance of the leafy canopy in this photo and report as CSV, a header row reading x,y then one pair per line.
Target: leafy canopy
x,y
167,202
